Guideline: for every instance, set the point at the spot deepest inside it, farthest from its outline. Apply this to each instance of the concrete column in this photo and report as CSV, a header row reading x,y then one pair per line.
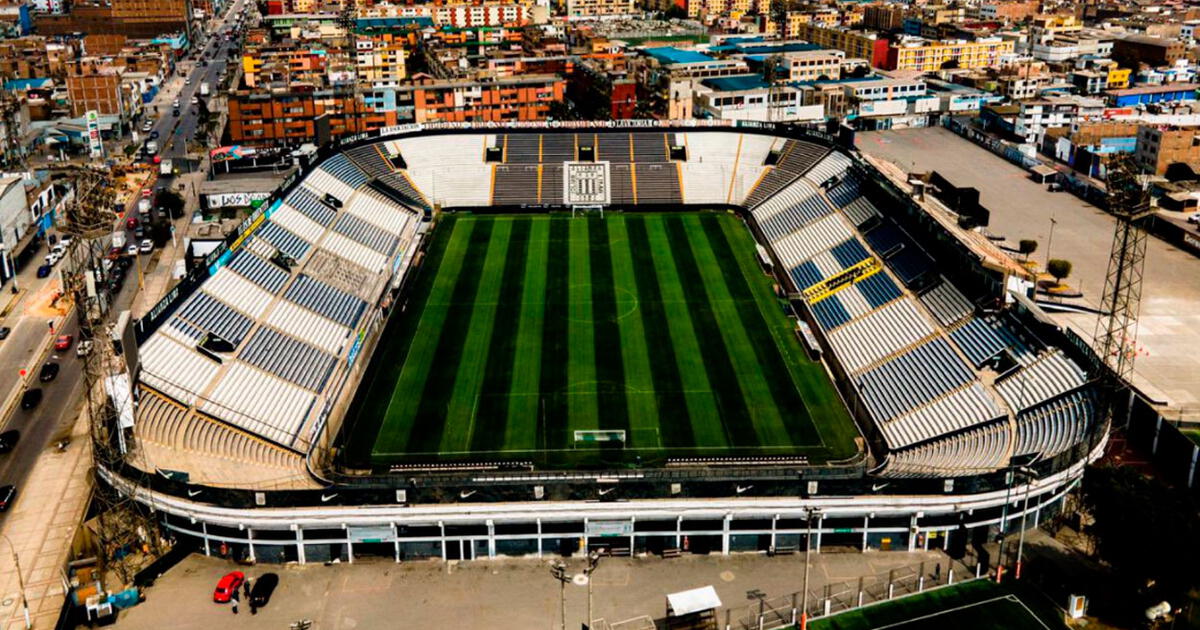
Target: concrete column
x,y
912,533
678,530
349,545
1158,422
250,542
491,538
820,526
632,534
300,546
396,540
866,526
725,534
539,536
1192,468
204,533
442,527
585,536
774,524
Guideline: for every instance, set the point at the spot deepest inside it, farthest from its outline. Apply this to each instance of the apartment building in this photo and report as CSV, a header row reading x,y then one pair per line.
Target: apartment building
x,y
1035,116
134,18
884,17
1152,51
456,14
862,44
381,60
598,8
510,99
96,85
750,98
24,58
1010,11
1161,146
667,76
813,65
930,56
291,117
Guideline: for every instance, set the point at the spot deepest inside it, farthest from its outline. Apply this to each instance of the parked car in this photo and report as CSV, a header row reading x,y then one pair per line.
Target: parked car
x,y
7,494
1194,217
84,348
4,332
49,372
31,398
131,250
148,125
63,342
154,135
8,440
147,246
175,104
175,112
227,586
260,593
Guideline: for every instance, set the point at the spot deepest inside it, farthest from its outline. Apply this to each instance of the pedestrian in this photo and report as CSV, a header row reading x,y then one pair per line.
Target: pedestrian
x,y
246,586
233,601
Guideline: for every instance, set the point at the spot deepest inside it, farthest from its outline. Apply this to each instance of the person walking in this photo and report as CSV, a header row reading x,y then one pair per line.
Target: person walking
x,y
246,587
233,601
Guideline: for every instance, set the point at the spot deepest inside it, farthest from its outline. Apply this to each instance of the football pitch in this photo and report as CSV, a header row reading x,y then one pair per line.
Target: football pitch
x,y
568,341
978,605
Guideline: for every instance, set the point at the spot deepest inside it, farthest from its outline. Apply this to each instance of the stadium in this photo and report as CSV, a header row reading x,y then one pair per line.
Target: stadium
x,y
467,340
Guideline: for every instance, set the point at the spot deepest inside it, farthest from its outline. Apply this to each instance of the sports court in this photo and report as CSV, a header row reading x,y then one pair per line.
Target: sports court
x,y
978,605
561,341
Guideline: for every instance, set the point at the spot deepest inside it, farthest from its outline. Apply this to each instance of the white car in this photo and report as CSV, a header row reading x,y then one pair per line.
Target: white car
x,y
1194,217
187,81
147,246
195,100
83,348
148,125
131,250
175,104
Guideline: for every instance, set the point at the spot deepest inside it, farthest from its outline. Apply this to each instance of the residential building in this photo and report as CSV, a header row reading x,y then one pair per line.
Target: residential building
x,y
24,58
135,18
293,117
884,17
1010,11
96,85
597,8
861,44
1152,51
1036,115
1161,146
522,98
666,77
930,56
746,98
15,19
381,60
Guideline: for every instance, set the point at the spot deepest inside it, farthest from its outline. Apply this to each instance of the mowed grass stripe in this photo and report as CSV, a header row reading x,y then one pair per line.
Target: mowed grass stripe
x,y
610,365
520,430
743,355
428,329
582,410
704,412
834,430
553,382
367,417
767,346
735,415
465,398
491,414
644,414
430,420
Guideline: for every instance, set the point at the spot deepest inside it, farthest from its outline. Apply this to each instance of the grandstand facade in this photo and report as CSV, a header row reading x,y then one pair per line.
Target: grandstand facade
x,y
953,379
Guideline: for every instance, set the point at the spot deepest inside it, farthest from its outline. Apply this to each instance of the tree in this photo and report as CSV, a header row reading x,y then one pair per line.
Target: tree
x,y
950,64
1027,246
1142,527
1058,268
172,203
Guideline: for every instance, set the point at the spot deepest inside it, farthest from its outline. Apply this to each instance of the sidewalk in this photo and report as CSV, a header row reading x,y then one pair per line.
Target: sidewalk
x,y
504,594
42,525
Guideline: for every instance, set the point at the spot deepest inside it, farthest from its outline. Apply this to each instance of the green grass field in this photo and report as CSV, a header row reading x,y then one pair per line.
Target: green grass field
x,y
978,605
522,329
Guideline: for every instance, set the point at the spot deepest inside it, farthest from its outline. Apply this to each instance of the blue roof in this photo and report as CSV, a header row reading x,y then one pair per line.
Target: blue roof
x,y
25,84
671,54
769,49
730,84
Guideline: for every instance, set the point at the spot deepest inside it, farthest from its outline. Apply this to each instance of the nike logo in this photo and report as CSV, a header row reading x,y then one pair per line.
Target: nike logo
x,y
604,491
192,493
741,489
876,487
466,494
325,499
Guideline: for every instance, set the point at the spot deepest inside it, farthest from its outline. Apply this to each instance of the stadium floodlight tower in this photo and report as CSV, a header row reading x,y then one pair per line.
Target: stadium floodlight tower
x,y
1115,339
121,522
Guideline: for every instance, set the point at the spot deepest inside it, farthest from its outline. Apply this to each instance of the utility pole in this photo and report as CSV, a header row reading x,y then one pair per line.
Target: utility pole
x,y
20,580
593,562
812,513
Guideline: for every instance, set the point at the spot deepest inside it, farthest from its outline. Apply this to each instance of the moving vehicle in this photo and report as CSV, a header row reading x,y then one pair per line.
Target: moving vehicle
x,y
147,246
84,348
131,223
63,342
131,250
44,271
175,112
151,147
1194,217
118,241
166,168
204,88
4,332
227,586
175,104
148,125
260,593
195,100
7,494
49,372
153,135
31,398
8,440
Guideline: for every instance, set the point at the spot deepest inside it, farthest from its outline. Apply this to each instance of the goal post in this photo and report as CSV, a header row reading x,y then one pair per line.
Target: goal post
x,y
607,437
576,210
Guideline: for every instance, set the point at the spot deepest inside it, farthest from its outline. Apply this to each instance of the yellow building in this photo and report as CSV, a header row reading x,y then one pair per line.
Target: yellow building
x,y
856,44
930,56
1118,78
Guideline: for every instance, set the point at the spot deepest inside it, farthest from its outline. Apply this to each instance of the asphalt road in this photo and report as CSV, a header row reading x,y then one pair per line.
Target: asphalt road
x,y
173,139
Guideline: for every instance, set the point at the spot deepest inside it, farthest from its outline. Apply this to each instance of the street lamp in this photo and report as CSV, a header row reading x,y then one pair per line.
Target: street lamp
x,y
593,561
1030,476
559,571
20,579
812,512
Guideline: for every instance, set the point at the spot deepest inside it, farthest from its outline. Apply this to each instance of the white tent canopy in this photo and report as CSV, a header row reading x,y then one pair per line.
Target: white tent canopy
x,y
692,601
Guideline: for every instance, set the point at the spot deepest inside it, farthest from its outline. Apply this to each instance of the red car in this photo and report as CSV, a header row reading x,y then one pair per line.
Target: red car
x,y
131,222
228,586
63,342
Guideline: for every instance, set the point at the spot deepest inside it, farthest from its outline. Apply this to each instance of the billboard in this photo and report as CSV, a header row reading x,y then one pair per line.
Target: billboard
x,y
96,145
